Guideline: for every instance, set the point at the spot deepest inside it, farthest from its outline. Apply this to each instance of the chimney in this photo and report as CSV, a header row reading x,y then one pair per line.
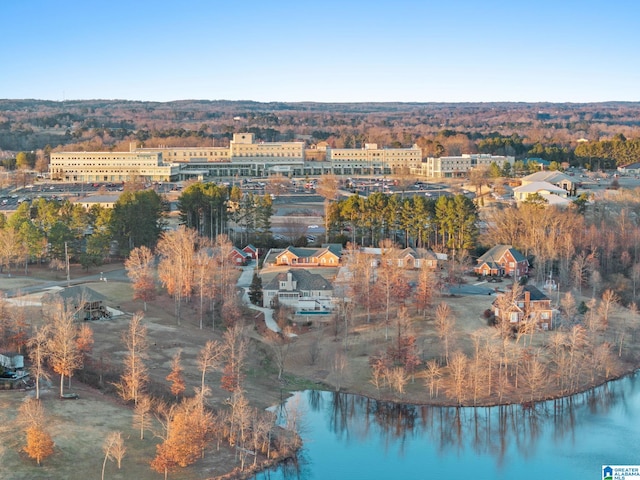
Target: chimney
x,y
527,297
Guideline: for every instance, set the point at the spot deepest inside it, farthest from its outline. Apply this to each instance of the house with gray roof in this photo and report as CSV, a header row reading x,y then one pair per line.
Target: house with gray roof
x,y
328,255
552,194
630,169
299,289
555,178
414,258
529,304
502,260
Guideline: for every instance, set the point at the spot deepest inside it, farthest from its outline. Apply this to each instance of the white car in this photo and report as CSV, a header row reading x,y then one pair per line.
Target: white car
x,y
312,227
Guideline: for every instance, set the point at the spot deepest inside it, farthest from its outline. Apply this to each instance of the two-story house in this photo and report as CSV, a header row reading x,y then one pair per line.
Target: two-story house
x,y
524,303
299,289
502,260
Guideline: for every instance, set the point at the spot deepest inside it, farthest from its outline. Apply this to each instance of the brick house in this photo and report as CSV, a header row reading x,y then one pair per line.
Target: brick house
x,y
529,303
328,255
502,260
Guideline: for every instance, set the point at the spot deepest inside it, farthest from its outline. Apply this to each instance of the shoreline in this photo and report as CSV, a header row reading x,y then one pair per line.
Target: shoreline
x,y
447,404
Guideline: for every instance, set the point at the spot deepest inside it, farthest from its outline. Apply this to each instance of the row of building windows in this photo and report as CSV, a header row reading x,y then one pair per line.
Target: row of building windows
x,y
88,156
199,153
106,164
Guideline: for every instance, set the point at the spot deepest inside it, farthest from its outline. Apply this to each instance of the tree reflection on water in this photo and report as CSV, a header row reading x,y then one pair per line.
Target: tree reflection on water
x,y
501,432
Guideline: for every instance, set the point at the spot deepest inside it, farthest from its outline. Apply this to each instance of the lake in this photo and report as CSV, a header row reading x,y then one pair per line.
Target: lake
x,y
351,437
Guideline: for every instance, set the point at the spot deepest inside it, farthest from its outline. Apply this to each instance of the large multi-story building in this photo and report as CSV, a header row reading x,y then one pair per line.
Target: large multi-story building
x,y
374,160
244,157
458,166
110,167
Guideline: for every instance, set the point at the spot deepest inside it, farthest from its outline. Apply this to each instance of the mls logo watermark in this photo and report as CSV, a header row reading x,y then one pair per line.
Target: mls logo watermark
x,y
621,472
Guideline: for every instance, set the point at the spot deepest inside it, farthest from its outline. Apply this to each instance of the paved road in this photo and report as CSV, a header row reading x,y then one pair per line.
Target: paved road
x,y
244,282
119,275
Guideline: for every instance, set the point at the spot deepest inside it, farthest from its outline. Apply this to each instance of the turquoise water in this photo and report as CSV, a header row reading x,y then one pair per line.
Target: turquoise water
x,y
351,437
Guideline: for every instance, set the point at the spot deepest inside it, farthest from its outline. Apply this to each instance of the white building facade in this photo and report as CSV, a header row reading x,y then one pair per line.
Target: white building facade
x,y
458,166
110,167
245,157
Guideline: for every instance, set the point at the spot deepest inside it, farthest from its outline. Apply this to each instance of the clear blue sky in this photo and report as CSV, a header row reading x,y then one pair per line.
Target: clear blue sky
x,y
325,51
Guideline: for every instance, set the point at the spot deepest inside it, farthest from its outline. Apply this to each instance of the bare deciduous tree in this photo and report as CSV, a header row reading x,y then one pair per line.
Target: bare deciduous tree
x,y
39,444
235,349
425,289
535,374
398,379
378,372
210,357
135,375
361,274
576,342
433,374
391,286
445,326
204,278
176,376
139,268
458,367
280,346
622,334
114,450
610,300
37,354
62,349
328,189
224,278
141,414
239,420
175,270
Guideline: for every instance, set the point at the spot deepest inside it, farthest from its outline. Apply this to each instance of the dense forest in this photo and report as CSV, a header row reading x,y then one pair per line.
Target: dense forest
x,y
598,135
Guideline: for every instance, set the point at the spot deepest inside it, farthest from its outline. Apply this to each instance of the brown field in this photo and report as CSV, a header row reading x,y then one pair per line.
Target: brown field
x,y
79,427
